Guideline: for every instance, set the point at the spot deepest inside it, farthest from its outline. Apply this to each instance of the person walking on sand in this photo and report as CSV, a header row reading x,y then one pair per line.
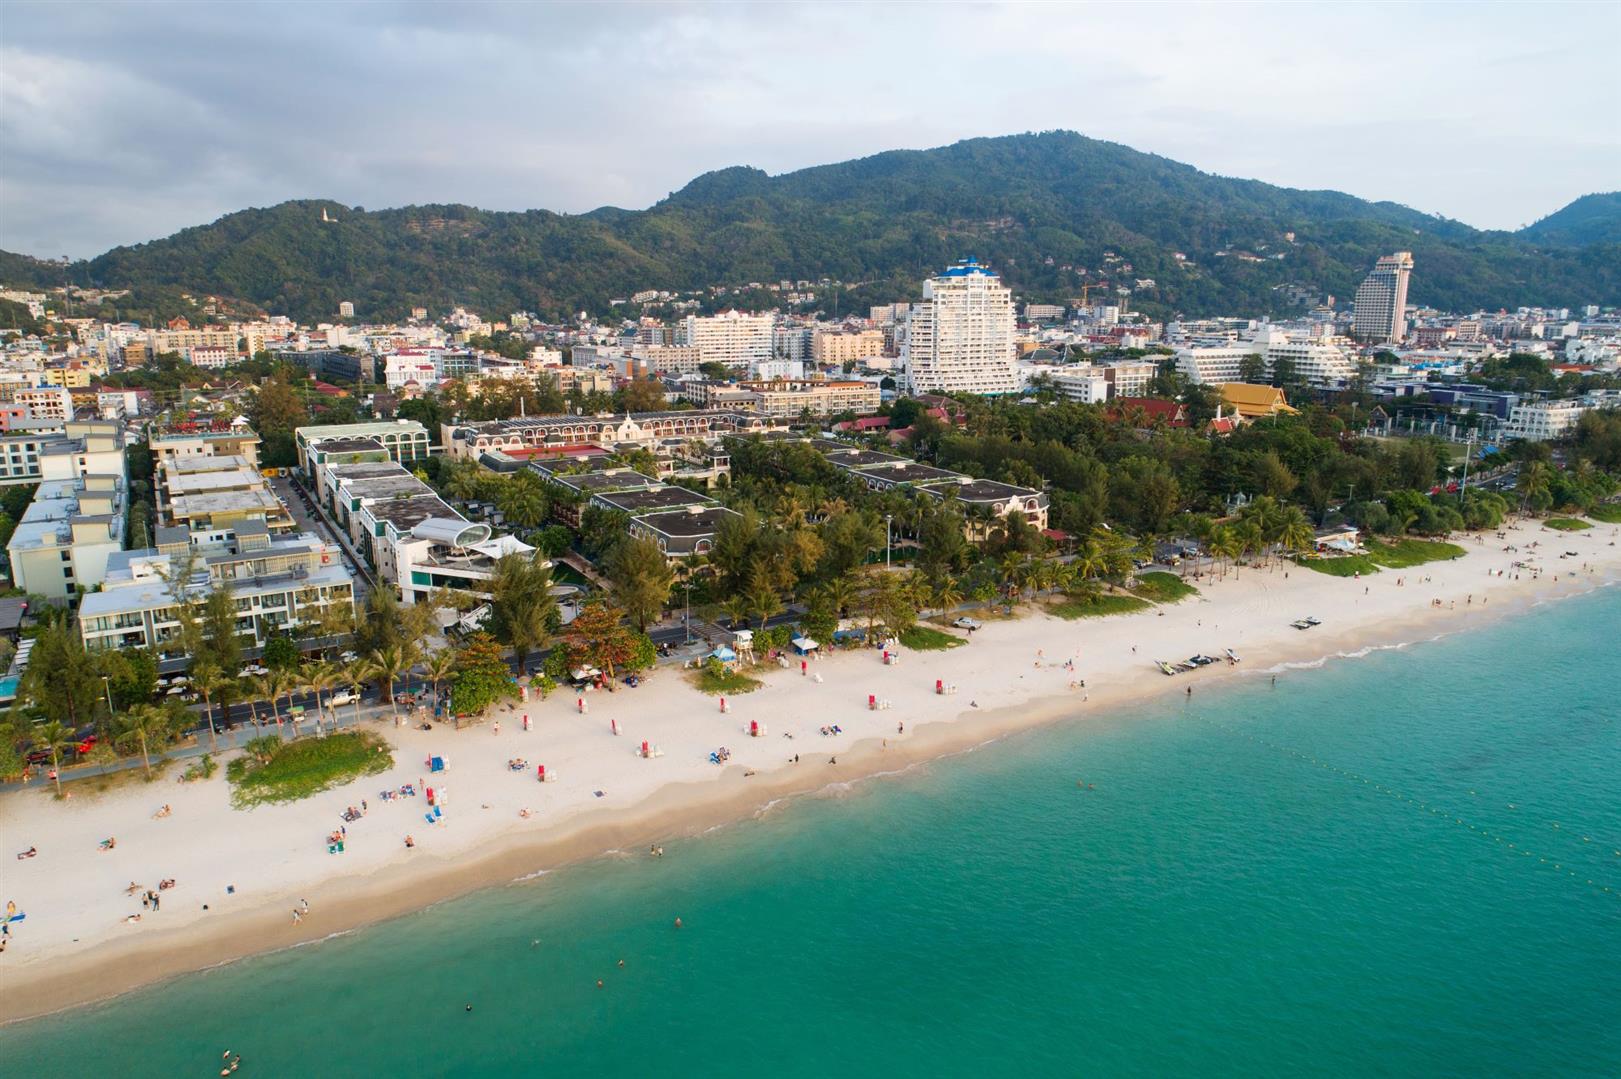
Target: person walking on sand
x,y
496,729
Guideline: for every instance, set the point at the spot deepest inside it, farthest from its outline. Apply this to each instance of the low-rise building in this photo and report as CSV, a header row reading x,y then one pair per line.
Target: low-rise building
x,y
204,439
636,429
883,471
279,583
404,441
1543,421
210,494
680,533
411,537
61,545
36,450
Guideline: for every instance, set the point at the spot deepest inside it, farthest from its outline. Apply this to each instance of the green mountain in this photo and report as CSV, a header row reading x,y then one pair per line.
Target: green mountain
x,y
1038,207
1591,219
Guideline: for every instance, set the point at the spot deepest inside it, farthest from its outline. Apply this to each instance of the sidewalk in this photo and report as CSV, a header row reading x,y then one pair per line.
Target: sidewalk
x,y
229,741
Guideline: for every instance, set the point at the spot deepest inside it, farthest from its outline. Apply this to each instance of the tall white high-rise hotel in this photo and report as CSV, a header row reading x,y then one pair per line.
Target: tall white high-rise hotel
x,y
960,338
1379,313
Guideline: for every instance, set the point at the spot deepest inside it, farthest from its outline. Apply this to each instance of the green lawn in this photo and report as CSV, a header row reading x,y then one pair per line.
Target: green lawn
x,y
1402,554
1609,513
710,680
924,639
1162,587
1413,552
1341,566
1096,605
1567,524
307,766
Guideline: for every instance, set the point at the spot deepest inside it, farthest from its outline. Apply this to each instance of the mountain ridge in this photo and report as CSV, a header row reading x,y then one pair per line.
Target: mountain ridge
x,y
1031,205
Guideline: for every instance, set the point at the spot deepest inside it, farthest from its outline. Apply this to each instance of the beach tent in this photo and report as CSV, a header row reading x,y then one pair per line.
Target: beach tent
x,y
724,654
803,645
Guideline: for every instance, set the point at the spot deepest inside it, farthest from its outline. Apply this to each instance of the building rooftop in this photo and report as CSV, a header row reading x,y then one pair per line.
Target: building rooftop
x,y
687,524
386,486
347,445
971,490
405,513
211,502
201,482
189,466
847,457
907,472
357,430
365,470
618,479
637,503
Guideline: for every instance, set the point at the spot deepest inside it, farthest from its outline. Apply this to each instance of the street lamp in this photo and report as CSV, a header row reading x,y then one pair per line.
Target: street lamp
x,y
108,686
686,616
887,518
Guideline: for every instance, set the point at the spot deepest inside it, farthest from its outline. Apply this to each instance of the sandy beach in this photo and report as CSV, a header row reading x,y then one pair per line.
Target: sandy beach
x,y
240,874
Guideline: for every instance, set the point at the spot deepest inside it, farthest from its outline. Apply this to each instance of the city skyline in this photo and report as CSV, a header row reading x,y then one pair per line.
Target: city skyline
x,y
125,124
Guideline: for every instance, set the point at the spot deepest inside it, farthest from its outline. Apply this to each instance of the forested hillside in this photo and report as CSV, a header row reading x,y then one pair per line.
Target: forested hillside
x,y
1040,208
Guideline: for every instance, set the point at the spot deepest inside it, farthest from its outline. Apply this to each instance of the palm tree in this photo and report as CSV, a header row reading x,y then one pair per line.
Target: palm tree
x,y
524,507
208,679
1532,483
1090,560
438,668
388,664
1295,531
264,688
764,601
279,683
463,482
355,675
737,609
53,738
841,592
321,677
1225,544
945,595
143,725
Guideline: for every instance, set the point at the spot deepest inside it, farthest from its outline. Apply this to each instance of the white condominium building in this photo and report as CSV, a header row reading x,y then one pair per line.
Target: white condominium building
x,y
1380,310
960,337
730,337
1316,362
1544,421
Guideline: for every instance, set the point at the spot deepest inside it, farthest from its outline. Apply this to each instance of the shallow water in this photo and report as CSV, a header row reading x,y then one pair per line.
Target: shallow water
x,y
1316,878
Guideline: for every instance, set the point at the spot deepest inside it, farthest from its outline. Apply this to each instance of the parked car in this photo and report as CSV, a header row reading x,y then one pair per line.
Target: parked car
x,y
967,623
342,696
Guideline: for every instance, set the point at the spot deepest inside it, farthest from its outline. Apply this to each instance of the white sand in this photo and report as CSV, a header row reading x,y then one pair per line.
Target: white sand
x,y
74,893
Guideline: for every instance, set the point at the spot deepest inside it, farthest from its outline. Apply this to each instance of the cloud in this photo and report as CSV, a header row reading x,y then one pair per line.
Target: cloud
x,y
122,123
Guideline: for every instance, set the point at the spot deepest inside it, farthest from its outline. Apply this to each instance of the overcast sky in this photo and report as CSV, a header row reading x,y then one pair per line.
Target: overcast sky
x,y
124,122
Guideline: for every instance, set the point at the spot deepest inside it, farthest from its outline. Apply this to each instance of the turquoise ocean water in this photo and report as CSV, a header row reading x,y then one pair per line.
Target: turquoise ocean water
x,y
1315,879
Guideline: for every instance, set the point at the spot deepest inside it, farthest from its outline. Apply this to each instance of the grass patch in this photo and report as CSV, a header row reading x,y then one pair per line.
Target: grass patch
x,y
1567,524
924,639
1609,513
306,766
1341,565
1162,587
1413,552
716,680
1096,605
1399,555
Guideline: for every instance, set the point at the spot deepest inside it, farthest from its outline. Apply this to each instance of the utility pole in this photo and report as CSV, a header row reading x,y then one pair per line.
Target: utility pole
x,y
887,518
